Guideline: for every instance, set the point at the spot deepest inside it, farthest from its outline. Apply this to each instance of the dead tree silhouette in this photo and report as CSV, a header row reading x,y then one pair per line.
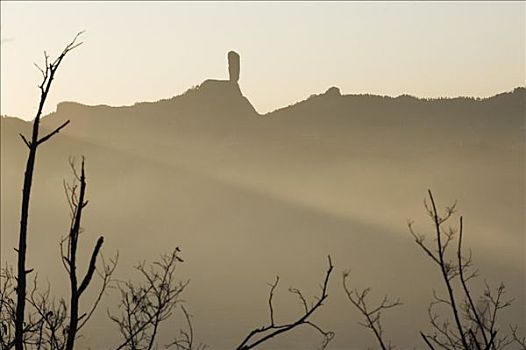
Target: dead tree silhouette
x,y
145,306
47,324
473,327
69,259
48,74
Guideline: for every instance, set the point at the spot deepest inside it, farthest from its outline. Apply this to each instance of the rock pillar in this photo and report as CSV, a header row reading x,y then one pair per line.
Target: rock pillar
x,y
233,66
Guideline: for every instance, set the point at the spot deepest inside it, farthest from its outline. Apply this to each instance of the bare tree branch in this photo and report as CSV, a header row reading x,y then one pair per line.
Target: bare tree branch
x,y
105,276
262,334
475,327
446,268
91,268
28,144
521,341
145,306
431,347
51,134
185,341
372,316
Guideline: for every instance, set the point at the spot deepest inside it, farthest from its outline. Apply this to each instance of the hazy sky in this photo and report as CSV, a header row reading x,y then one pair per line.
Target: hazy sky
x,y
145,51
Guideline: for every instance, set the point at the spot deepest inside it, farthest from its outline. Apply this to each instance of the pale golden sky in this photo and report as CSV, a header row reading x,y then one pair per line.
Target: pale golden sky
x,y
145,51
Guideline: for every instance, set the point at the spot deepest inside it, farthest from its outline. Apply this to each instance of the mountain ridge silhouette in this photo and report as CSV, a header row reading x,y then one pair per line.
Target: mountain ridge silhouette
x,y
515,93
332,173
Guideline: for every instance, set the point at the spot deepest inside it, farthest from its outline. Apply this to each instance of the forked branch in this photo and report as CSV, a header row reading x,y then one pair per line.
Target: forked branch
x,y
262,334
372,315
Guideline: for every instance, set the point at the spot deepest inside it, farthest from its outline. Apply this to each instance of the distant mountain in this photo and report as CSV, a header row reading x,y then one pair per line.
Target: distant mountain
x,y
215,115
248,196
